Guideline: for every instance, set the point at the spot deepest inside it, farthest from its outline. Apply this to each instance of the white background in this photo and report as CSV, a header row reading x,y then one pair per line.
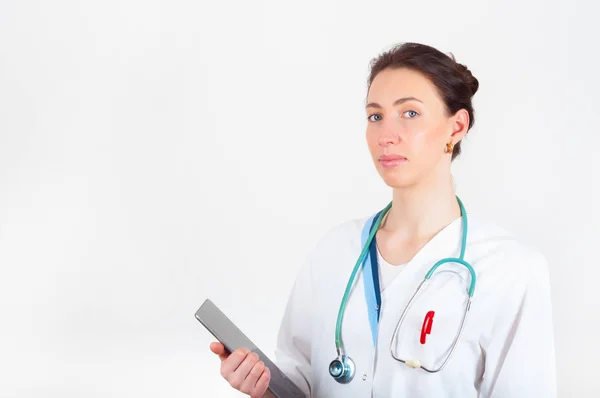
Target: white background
x,y
156,153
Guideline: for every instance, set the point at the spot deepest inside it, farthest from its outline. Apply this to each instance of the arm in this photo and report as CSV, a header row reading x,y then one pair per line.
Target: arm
x,y
293,351
519,349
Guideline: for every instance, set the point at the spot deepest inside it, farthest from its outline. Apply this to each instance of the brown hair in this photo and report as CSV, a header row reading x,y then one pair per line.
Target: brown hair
x,y
455,82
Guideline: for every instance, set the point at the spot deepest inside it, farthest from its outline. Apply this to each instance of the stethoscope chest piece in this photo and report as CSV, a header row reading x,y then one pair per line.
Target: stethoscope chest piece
x,y
342,369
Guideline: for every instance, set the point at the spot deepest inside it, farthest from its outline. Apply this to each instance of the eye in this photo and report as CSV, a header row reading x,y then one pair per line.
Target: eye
x,y
377,115
411,114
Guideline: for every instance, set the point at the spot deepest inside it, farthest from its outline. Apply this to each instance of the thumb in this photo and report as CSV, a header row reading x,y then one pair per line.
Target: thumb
x,y
220,350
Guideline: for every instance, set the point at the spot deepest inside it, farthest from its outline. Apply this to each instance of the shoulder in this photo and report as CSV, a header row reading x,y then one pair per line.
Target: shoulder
x,y
496,250
346,233
338,246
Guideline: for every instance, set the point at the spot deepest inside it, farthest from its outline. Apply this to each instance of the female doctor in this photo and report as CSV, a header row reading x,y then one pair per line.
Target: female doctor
x,y
420,299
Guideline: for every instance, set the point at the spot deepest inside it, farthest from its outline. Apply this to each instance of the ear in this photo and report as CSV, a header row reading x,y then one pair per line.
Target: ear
x,y
459,125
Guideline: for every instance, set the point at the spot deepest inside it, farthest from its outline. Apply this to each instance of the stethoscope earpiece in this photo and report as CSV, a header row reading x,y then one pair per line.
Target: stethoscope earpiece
x,y
342,369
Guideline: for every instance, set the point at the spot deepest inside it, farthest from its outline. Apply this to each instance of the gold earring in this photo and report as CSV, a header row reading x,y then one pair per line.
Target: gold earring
x,y
449,147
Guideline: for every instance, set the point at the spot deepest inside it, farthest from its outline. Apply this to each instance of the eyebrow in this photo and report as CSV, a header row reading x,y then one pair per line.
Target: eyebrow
x,y
397,102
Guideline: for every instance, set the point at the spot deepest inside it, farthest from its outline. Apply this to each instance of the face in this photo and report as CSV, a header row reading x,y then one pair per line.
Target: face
x,y
408,128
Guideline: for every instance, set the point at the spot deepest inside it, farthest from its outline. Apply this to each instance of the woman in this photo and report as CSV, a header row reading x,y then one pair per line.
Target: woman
x,y
418,110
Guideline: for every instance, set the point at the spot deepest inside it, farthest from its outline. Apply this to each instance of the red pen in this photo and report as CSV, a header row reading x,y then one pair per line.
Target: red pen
x,y
427,323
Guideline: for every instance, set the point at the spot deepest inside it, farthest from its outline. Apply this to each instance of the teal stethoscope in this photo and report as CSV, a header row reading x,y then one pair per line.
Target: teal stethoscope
x,y
342,369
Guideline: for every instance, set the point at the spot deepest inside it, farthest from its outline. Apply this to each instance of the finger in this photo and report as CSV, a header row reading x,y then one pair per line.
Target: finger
x,y
262,384
239,375
250,382
220,350
234,360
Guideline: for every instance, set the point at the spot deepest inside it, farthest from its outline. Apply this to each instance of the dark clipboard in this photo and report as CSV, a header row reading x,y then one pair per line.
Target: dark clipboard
x,y
224,330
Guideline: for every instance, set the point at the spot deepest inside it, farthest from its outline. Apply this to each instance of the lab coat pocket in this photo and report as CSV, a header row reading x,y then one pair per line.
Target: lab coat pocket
x,y
432,322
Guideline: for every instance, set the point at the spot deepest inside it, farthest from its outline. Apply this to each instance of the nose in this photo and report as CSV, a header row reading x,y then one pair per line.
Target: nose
x,y
388,135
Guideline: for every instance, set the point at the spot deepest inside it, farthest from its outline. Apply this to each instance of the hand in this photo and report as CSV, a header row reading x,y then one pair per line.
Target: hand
x,y
243,370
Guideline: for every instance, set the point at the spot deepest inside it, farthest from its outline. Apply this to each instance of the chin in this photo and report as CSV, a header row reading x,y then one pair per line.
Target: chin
x,y
397,180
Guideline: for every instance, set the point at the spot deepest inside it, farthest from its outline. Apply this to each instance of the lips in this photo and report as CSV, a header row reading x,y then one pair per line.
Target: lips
x,y
388,161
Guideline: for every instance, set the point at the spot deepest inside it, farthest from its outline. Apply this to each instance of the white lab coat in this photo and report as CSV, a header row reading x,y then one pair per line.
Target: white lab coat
x,y
506,349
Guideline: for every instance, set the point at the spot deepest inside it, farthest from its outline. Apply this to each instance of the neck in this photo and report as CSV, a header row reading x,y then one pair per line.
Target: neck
x,y
421,211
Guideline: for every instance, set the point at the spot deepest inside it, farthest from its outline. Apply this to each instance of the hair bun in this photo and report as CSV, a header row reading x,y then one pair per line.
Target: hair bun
x,y
468,77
